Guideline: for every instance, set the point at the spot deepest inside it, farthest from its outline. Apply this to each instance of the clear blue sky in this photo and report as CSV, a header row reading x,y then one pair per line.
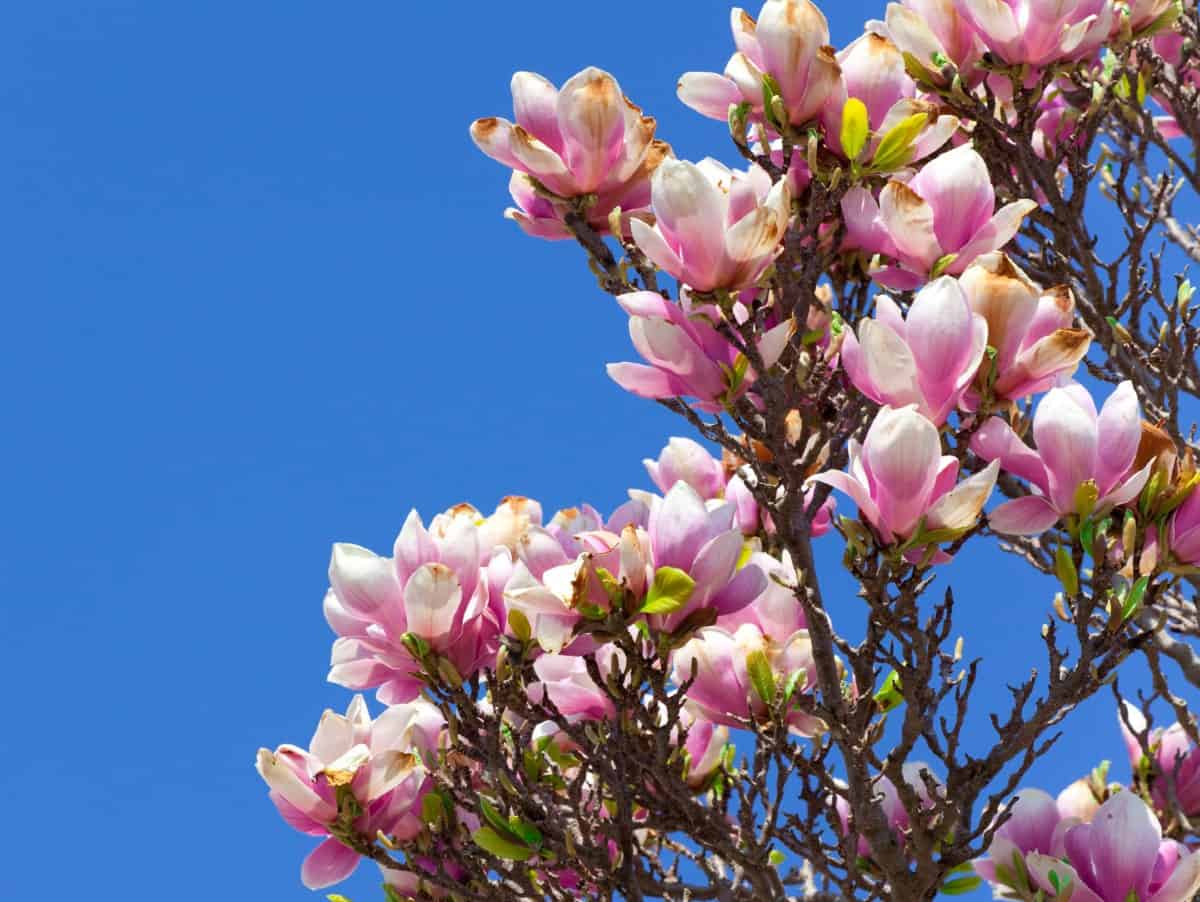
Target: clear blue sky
x,y
260,298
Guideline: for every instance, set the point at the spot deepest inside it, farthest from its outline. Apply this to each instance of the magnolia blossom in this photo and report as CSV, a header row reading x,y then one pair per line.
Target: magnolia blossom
x,y
728,668
1030,31
1183,531
1172,754
688,356
873,72
927,360
382,764
1120,856
556,570
683,533
936,30
1082,457
585,138
684,459
939,221
1030,330
902,482
789,42
898,818
564,681
1036,824
705,745
714,227
433,588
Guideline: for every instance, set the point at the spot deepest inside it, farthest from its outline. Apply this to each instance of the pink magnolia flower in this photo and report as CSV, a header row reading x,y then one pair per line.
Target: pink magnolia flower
x,y
932,30
776,612
928,360
940,220
687,356
1079,800
585,138
564,681
1039,33
1120,856
383,763
1037,824
1076,447
682,532
1183,530
901,481
873,71
433,588
705,745
686,460
723,688
1031,330
897,815
789,42
1171,752
714,227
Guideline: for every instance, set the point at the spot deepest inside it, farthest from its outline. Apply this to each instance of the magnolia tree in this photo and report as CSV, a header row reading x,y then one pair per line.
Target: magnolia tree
x,y
888,309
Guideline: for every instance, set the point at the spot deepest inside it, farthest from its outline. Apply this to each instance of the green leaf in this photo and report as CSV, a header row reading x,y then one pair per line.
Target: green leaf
x,y
896,148
519,624
960,885
889,695
942,264
494,817
391,894
492,842
528,833
855,128
336,897
669,592
1065,570
431,809
776,858
762,678
770,89
417,647
1133,600
795,681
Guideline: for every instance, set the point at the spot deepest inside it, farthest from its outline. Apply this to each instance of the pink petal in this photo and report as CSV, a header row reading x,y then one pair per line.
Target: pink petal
x,y
1027,516
535,103
996,440
708,93
1119,430
909,221
327,864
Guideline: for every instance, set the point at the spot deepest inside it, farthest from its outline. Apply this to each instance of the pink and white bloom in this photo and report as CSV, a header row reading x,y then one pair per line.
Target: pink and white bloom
x,y
1075,446
901,481
1037,824
685,460
1031,329
932,29
928,359
873,71
897,815
584,138
1040,33
789,42
722,660
564,681
433,587
705,745
1183,530
714,227
942,219
1172,753
382,762
1120,856
687,357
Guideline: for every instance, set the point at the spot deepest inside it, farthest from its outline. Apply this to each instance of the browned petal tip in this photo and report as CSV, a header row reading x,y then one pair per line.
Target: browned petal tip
x,y
747,21
1062,297
1006,269
481,128
463,508
1155,443
905,197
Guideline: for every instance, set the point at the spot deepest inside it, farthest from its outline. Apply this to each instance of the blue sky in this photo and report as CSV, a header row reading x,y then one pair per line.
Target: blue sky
x,y
261,299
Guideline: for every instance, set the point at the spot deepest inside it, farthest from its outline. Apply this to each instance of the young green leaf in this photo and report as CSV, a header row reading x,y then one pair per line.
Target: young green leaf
x,y
762,678
491,841
855,128
669,591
